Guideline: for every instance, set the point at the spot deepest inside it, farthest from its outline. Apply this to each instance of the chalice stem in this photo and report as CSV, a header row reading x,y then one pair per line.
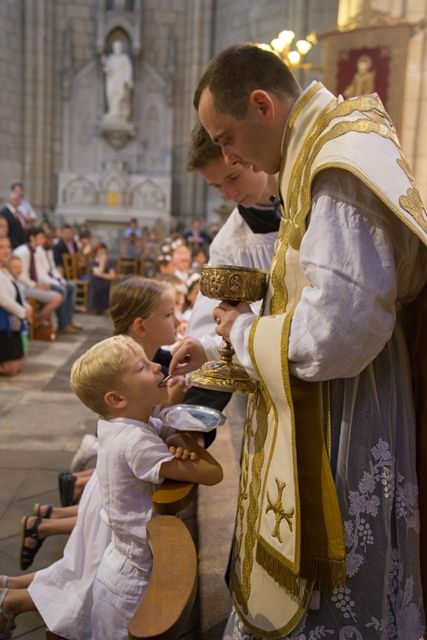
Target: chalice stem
x,y
226,351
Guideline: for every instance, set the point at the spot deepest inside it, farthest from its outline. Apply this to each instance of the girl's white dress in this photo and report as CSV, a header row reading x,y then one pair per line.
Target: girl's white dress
x,y
62,592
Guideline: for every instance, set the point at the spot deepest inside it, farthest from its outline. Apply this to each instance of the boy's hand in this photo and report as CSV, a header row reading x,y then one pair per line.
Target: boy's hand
x,y
180,453
181,446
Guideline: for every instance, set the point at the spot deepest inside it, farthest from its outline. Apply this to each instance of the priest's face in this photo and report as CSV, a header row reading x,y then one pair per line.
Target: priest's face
x,y
238,183
244,140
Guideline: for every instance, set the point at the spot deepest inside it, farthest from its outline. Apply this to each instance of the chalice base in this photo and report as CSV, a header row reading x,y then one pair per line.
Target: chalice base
x,y
223,376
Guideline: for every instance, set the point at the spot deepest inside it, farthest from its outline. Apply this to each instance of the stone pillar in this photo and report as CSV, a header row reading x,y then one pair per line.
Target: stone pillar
x,y
189,191
11,101
39,97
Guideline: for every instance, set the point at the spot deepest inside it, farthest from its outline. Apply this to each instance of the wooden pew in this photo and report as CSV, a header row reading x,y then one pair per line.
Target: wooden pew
x,y
170,596
71,263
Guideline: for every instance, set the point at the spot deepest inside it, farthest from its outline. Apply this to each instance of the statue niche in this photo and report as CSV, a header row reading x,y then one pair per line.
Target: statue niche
x,y
119,83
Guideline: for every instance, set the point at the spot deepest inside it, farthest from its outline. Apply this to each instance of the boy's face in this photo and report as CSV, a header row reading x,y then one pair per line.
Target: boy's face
x,y
238,183
161,326
15,268
141,386
38,239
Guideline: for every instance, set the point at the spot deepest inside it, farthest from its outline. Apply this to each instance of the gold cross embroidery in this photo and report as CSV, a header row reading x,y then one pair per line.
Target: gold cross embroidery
x,y
278,510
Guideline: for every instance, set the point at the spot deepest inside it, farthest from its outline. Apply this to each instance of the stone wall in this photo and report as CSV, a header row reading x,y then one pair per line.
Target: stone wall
x,y
11,134
31,32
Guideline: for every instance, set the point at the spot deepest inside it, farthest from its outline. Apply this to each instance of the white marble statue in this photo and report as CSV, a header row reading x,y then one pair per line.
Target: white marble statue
x,y
118,82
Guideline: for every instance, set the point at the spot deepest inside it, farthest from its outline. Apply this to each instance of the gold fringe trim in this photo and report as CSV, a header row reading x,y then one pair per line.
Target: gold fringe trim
x,y
277,570
324,571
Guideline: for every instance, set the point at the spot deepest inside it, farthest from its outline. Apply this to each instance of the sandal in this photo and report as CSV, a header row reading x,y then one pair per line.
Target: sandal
x,y
9,625
66,481
37,510
27,554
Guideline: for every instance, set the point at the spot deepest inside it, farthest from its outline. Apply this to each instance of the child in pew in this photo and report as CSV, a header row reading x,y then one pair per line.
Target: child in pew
x,y
115,379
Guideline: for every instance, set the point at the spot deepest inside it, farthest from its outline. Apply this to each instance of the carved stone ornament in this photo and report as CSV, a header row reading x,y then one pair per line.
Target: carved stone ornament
x,y
116,131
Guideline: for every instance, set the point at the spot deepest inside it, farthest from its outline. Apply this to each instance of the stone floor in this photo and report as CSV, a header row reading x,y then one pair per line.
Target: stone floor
x,y
41,425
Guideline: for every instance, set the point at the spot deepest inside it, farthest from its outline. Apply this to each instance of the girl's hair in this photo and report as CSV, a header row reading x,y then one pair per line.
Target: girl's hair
x,y
100,370
134,297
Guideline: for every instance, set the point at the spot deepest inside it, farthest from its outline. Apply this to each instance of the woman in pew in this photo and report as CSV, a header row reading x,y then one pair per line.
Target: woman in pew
x,y
62,593
14,312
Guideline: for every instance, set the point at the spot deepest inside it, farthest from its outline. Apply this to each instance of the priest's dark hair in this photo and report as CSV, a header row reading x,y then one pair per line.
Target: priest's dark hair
x,y
234,73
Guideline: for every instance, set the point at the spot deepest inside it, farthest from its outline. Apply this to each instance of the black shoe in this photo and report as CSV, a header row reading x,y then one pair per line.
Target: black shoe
x,y
66,482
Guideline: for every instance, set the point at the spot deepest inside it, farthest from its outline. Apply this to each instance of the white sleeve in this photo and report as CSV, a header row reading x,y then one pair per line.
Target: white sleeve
x,y
147,456
8,300
42,267
347,315
239,337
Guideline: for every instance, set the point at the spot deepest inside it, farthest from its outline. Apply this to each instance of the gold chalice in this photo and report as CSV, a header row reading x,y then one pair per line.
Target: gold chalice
x,y
233,285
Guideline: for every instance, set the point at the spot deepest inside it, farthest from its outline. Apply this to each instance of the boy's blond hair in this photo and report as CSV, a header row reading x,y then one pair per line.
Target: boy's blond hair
x,y
100,370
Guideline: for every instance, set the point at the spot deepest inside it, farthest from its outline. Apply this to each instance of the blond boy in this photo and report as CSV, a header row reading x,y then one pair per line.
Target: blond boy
x,y
116,380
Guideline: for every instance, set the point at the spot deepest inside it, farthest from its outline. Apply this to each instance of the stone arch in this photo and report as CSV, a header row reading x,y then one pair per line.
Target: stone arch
x,y
114,191
148,194
79,191
119,33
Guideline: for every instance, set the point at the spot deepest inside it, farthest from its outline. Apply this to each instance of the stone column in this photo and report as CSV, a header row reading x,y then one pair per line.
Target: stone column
x,y
39,96
11,101
189,191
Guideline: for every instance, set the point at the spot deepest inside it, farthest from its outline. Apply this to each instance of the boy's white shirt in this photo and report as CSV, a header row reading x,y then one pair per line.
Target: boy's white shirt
x,y
129,459
45,267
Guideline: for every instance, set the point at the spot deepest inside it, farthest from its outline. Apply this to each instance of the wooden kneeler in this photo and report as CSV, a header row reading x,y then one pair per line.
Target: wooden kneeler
x,y
169,598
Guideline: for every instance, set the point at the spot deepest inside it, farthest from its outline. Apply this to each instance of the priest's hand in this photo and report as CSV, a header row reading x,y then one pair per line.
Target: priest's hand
x,y
225,314
187,356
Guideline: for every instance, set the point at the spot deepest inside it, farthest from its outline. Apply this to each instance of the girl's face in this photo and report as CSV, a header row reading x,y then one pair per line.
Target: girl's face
x,y
161,326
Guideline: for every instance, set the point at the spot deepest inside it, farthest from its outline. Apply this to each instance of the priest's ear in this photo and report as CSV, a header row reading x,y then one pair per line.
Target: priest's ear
x,y
115,400
263,103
